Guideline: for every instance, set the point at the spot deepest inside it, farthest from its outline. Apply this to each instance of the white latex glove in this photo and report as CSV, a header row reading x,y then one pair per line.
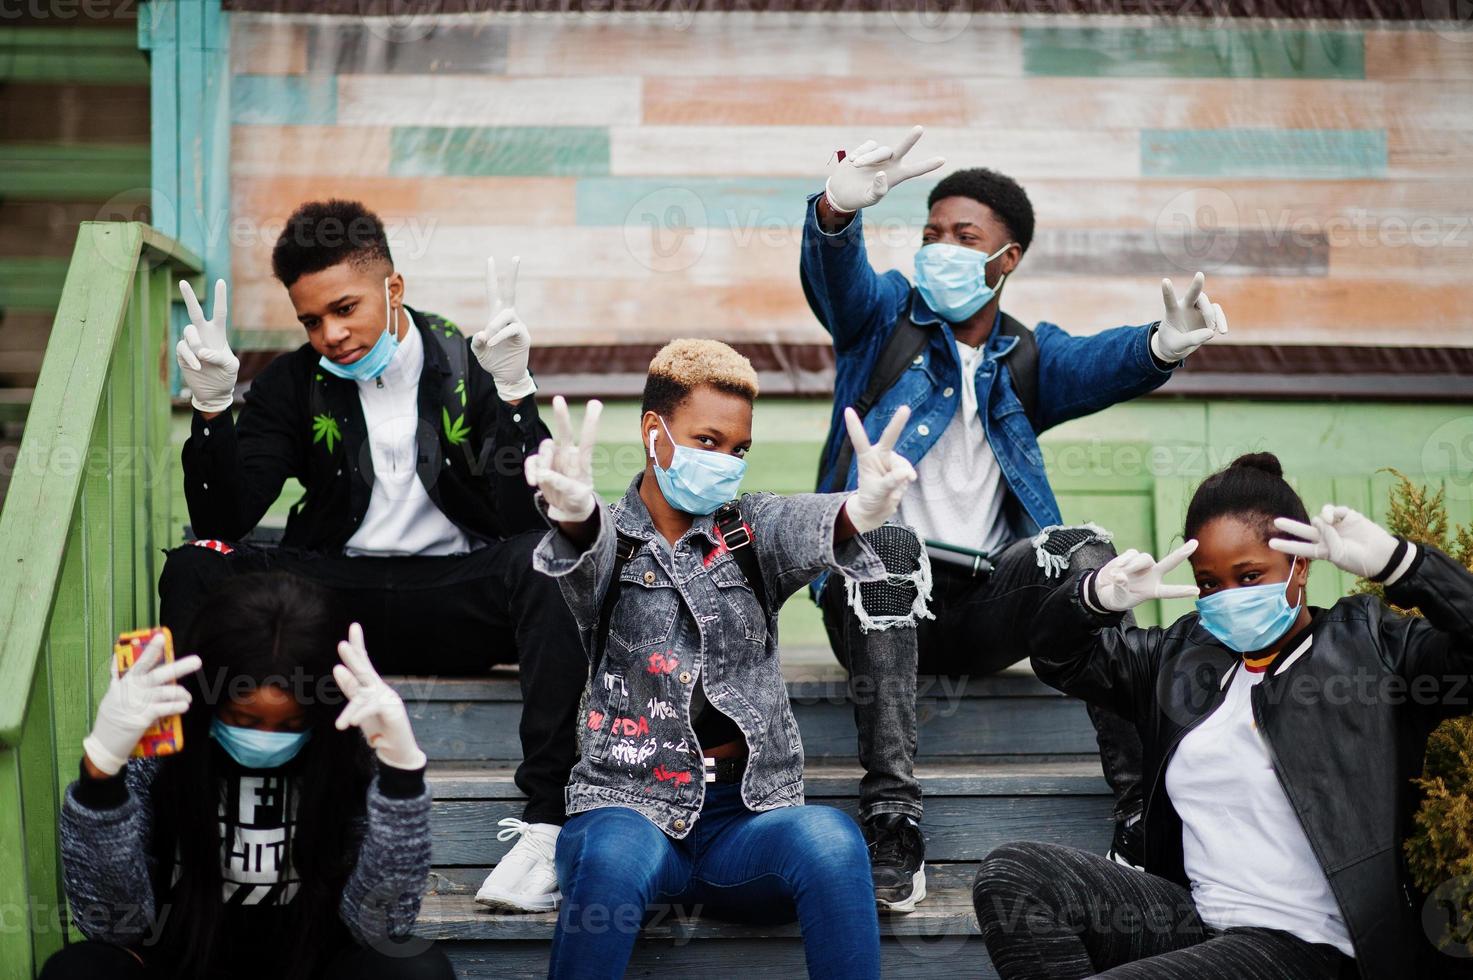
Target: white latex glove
x,y
865,176
884,474
374,706
1188,324
504,346
1347,539
205,359
1134,577
563,469
133,702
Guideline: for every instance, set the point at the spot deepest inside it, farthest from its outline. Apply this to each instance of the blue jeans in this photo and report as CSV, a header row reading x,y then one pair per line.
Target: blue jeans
x,y
807,862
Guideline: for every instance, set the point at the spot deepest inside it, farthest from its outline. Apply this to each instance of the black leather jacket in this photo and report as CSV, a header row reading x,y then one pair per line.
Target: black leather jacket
x,y
1346,723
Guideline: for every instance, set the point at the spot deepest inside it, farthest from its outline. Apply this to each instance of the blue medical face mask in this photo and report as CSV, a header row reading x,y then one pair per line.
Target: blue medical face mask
x,y
256,749
1250,617
698,480
376,361
953,279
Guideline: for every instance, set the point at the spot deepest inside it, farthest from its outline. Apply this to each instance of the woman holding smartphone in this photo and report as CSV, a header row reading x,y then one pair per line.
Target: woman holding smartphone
x,y
289,838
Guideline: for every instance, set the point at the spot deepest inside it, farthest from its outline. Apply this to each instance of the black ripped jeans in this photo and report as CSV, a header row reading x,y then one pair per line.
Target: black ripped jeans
x,y
979,629
455,614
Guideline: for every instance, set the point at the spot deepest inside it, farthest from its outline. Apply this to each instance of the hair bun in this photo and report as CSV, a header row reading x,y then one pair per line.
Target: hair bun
x,y
1266,462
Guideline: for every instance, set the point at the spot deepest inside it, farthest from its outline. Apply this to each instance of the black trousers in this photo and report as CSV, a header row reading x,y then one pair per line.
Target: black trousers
x,y
1049,912
91,960
981,626
456,614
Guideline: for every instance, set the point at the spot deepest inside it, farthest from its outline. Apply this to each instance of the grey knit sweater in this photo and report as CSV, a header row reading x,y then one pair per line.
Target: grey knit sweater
x,y
108,864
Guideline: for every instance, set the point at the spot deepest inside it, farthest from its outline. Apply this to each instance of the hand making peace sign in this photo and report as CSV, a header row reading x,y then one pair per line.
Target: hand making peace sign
x,y
374,707
204,355
883,473
1188,323
563,469
504,346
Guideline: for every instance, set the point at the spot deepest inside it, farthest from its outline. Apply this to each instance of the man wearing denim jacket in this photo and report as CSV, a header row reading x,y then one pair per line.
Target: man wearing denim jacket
x,y
974,442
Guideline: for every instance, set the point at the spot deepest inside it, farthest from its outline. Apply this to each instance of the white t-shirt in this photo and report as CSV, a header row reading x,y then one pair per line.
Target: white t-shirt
x,y
1243,847
401,518
958,494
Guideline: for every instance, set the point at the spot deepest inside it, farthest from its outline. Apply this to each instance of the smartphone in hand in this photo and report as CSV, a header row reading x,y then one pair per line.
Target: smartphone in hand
x,y
165,736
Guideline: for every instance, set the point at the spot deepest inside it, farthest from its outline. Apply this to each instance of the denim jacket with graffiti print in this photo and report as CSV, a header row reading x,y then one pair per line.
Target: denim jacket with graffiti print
x,y
683,612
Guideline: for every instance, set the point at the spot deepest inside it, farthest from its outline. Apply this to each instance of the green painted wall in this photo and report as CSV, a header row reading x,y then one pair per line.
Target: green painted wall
x,y
1130,468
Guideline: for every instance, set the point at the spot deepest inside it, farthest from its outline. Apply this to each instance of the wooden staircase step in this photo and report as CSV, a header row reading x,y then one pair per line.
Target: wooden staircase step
x,y
805,681
972,806
939,940
1006,714
984,776
450,912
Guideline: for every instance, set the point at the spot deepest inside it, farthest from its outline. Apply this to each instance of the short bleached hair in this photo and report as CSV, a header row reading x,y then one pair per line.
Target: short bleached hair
x,y
684,365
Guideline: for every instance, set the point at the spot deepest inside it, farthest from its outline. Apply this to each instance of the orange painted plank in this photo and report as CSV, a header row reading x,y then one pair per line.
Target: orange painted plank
x,y
477,100
1446,153
567,310
693,45
1265,310
448,200
794,101
335,151
1444,53
1212,103
1425,250
898,43
575,310
1309,205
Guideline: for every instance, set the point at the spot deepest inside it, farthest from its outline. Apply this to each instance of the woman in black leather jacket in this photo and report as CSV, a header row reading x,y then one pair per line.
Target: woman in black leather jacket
x,y
1280,740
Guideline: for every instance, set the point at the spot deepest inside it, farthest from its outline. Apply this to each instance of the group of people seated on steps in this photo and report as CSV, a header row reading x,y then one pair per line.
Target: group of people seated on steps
x,y
445,529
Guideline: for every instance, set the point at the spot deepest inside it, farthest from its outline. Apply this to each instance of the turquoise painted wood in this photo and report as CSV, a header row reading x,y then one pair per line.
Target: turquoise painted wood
x,y
87,512
1303,154
1189,51
499,151
284,100
188,46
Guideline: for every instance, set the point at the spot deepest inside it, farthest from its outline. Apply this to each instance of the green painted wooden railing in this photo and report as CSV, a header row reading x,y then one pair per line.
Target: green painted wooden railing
x,y
86,515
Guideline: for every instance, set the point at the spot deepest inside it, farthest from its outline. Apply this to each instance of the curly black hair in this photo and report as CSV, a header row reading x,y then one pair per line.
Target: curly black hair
x,y
1001,193
321,234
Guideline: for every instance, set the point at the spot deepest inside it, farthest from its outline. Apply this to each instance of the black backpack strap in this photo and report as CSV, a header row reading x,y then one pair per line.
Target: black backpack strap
x,y
905,344
624,549
734,533
1023,367
737,536
453,343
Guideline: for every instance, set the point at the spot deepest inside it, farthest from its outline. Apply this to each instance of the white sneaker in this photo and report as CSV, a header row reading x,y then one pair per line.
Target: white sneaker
x,y
526,879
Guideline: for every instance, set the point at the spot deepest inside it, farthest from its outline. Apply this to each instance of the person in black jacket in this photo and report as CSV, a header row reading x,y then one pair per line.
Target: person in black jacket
x,y
1280,740
409,439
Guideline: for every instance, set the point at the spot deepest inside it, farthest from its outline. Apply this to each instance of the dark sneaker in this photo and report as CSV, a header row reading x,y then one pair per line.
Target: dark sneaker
x,y
897,854
1129,846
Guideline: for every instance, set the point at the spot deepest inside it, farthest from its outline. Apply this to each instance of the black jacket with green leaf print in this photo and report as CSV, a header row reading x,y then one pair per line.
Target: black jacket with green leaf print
x,y
300,421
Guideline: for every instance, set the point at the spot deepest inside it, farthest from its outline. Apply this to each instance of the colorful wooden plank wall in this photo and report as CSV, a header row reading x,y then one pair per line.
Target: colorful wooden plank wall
x,y
652,173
